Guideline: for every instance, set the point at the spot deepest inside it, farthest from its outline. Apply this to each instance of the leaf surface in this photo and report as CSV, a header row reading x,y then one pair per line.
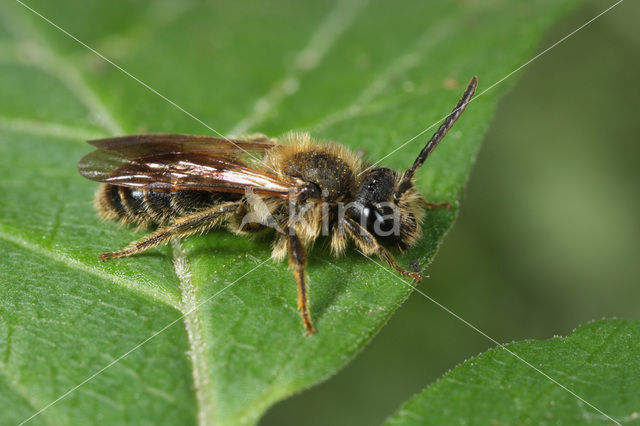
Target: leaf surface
x,y
599,362
371,75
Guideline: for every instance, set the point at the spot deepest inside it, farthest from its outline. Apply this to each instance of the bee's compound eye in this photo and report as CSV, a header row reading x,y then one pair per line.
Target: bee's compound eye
x,y
380,220
385,220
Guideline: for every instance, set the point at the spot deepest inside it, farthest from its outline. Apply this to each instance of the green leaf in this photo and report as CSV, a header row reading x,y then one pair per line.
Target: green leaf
x,y
599,362
369,74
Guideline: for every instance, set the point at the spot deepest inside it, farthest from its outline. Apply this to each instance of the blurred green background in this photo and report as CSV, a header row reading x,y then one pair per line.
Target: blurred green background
x,y
549,232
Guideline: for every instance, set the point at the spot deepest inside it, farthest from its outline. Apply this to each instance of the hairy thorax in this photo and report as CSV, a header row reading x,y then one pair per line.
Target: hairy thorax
x,y
331,174
332,168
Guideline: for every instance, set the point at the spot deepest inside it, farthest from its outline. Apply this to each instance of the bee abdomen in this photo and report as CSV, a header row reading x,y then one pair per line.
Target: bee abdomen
x,y
144,207
124,204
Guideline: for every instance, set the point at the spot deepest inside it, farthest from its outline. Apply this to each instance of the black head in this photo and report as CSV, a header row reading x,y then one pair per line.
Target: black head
x,y
387,204
375,208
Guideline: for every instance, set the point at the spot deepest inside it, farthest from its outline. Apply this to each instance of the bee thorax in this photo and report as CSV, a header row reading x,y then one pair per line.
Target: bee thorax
x,y
331,174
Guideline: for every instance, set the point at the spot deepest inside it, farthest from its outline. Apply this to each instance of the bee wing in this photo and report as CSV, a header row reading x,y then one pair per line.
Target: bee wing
x,y
180,171
141,146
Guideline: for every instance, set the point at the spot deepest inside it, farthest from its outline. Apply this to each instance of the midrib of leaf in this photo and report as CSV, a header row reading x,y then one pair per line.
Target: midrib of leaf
x,y
50,62
189,307
328,31
337,21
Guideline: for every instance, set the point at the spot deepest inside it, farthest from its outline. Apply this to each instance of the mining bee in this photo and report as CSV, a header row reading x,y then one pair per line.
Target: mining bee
x,y
186,184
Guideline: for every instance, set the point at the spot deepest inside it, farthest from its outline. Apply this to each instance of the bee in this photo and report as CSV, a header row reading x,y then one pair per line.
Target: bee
x,y
185,185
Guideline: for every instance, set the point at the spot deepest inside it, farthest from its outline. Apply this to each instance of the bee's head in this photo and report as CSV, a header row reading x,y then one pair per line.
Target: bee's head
x,y
387,204
392,217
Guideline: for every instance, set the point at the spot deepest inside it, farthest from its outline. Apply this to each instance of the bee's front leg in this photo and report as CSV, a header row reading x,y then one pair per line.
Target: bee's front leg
x,y
369,245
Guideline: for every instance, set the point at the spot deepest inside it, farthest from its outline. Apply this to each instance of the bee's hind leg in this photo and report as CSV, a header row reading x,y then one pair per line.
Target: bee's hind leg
x,y
298,261
198,222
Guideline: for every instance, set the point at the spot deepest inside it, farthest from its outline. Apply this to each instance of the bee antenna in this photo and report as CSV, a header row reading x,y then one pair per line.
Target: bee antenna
x,y
438,135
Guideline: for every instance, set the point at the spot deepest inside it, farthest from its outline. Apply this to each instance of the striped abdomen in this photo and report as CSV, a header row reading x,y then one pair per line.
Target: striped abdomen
x,y
144,207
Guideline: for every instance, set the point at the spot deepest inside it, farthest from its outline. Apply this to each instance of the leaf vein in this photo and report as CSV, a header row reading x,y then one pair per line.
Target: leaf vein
x,y
72,263
23,393
44,57
42,128
339,19
410,59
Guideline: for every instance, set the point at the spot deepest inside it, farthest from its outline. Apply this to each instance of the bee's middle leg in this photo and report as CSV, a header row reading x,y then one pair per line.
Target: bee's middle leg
x,y
298,260
194,223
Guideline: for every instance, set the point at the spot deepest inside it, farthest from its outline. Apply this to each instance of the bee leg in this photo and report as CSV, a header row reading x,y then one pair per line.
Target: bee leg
x,y
391,261
194,223
369,245
298,260
431,206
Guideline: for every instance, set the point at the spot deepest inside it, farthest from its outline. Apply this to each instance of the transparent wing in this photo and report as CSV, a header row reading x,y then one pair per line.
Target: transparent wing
x,y
178,163
140,146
